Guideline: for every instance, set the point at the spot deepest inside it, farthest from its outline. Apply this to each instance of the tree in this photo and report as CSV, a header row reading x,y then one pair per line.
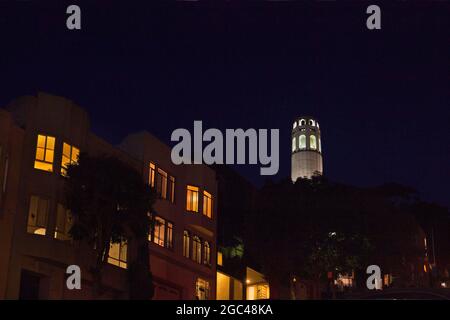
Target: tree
x,y
110,203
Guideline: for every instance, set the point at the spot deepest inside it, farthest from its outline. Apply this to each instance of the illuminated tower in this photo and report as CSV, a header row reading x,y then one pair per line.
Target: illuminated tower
x,y
306,159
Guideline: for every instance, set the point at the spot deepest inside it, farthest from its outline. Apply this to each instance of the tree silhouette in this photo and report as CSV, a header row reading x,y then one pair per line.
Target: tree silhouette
x,y
110,203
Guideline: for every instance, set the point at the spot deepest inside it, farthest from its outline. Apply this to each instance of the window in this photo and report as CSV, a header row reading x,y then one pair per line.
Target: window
x,y
219,258
169,233
312,123
192,199
69,156
161,183
196,249
186,243
37,216
302,122
207,254
312,142
171,189
158,231
207,204
320,145
151,175
302,142
294,125
63,223
118,254
202,289
164,183
293,143
162,234
45,150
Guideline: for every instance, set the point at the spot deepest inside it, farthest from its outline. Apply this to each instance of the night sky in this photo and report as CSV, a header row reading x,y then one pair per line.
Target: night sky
x,y
381,97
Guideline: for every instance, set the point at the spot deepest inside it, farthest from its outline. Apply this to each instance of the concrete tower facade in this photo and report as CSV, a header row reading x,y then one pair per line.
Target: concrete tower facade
x,y
306,158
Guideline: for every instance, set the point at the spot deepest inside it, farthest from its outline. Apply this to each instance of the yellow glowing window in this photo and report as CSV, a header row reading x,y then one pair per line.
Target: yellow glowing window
x,y
192,199
158,232
63,223
45,151
207,204
151,175
118,254
219,258
202,289
37,216
69,156
312,142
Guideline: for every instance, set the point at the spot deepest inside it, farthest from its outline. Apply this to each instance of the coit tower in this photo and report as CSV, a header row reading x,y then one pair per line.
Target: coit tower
x,y
306,159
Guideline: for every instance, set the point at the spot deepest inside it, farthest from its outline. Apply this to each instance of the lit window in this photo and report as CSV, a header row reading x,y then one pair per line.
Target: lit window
x,y
171,189
202,289
118,254
63,223
219,258
302,142
161,183
70,156
37,216
186,244
207,204
293,143
320,144
312,142
151,175
196,249
192,199
45,150
169,233
162,232
207,254
294,125
158,231
317,124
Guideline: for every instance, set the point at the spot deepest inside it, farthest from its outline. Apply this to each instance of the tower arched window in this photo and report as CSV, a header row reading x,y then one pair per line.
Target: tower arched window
x,y
302,122
302,142
293,144
294,125
312,123
312,142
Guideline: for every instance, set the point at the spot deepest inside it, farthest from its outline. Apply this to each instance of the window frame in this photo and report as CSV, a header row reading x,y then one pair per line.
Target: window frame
x,y
71,160
194,190
43,161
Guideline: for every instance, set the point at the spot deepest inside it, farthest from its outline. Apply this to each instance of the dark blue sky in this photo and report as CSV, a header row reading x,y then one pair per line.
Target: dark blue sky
x,y
382,97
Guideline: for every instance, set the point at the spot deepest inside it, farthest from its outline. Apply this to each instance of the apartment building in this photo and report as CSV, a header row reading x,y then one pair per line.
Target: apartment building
x,y
39,135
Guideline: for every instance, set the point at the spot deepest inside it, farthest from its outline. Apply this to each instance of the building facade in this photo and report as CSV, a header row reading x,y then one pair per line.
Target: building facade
x,y
39,135
306,158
